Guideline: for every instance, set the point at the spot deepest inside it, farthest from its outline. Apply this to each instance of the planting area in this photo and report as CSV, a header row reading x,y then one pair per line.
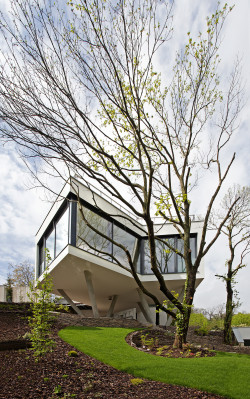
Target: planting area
x,y
59,375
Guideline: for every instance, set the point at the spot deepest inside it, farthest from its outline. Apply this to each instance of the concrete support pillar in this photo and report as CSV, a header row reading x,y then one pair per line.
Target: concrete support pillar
x,y
110,312
144,307
65,296
169,320
91,293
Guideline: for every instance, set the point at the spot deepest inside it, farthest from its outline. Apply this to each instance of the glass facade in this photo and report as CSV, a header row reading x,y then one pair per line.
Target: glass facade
x,y
62,232
55,239
168,261
95,235
88,239
128,240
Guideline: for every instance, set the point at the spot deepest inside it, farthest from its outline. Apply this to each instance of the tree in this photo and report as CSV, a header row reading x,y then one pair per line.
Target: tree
x,y
22,273
41,319
9,291
79,89
237,231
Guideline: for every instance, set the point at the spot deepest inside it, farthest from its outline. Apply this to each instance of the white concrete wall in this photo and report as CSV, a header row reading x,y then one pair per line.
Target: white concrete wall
x,y
163,318
126,314
2,293
20,294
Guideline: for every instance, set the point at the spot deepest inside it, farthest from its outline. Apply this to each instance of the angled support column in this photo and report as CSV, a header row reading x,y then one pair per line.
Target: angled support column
x,y
144,307
91,293
63,293
143,311
110,312
169,320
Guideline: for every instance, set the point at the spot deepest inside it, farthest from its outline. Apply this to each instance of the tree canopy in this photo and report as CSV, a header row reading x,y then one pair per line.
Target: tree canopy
x,y
80,89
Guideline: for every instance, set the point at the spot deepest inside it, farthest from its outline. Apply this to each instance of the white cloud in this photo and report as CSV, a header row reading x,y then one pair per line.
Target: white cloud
x,y
21,211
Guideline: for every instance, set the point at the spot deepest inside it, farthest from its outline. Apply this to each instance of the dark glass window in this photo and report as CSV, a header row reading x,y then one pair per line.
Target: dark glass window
x,y
180,261
88,239
128,240
62,232
168,261
54,240
165,257
147,263
50,246
41,258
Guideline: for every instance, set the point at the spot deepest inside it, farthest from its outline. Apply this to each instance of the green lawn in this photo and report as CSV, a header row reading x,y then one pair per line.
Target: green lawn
x,y
225,374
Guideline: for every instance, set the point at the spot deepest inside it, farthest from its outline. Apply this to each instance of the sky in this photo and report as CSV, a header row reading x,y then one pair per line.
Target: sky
x,y
23,208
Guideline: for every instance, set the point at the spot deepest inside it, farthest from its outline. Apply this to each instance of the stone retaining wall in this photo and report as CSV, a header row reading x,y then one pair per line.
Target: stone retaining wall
x,y
76,320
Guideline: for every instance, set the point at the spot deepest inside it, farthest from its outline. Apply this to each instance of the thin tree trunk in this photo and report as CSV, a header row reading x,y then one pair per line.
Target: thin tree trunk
x,y
229,313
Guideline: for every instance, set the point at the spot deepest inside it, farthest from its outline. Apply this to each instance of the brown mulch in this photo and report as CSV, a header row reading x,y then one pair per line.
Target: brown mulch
x,y
160,342
59,376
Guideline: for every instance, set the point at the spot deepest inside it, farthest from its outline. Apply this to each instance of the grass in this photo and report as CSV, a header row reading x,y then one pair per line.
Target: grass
x,y
226,374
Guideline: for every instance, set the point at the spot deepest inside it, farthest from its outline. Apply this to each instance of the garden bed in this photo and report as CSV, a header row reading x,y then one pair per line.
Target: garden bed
x,y
60,376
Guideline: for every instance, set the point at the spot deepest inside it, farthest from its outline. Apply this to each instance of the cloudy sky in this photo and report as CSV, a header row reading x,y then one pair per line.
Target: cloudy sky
x,y
23,209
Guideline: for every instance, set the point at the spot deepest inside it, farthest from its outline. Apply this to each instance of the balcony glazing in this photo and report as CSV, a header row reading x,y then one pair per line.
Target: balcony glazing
x,y
68,227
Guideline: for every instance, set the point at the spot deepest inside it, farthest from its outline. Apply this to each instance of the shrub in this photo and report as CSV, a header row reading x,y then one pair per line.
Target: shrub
x,y
241,319
203,330
40,321
136,381
72,354
198,319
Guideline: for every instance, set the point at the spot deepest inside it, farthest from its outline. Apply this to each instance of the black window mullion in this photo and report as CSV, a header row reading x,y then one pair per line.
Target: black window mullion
x,y
142,256
112,237
72,223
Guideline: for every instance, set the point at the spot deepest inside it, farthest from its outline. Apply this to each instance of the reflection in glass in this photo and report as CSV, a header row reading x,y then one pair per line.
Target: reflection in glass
x,y
180,261
165,257
50,246
193,249
62,232
41,258
181,268
167,261
88,239
147,261
123,237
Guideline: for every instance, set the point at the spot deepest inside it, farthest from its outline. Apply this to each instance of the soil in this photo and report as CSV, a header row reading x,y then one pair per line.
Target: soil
x,y
58,375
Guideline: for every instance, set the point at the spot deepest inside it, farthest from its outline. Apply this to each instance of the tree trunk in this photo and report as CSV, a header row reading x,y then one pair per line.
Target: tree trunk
x,y
182,324
178,340
229,314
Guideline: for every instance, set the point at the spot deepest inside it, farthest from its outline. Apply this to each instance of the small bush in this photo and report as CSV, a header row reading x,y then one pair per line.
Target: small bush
x,y
202,331
58,389
27,335
198,319
72,354
136,381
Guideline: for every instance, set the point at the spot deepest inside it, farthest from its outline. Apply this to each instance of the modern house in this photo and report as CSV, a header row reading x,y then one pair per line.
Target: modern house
x,y
82,260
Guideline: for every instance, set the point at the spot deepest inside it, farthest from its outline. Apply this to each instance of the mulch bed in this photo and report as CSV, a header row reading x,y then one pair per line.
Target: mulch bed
x,y
58,375
160,342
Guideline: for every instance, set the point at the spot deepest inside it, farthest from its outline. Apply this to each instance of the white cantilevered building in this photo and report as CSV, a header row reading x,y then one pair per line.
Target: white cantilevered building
x,y
82,265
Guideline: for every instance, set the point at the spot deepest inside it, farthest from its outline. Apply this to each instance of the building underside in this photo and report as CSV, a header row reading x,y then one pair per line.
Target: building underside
x,y
85,267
